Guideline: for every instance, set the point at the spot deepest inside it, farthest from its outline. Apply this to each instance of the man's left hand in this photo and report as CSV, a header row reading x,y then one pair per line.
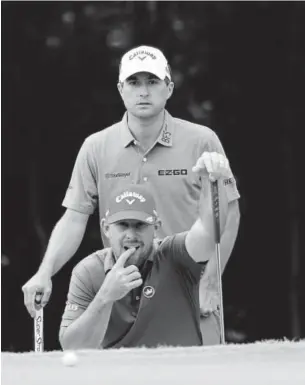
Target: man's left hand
x,y
208,300
214,165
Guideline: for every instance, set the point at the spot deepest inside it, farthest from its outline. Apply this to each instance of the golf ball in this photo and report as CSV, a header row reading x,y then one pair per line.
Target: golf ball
x,y
69,359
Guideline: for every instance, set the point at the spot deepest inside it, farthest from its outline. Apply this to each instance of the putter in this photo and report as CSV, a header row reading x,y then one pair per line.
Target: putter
x,y
216,215
38,325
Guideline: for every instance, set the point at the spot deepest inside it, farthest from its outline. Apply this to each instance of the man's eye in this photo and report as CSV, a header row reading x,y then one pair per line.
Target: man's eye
x,y
132,82
153,81
140,226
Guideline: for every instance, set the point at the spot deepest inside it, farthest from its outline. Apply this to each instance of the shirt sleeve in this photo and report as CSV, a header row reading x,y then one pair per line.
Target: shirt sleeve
x,y
82,193
80,295
228,185
174,247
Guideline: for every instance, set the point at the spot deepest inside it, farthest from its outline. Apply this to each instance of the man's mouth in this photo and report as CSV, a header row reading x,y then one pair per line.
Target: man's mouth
x,y
143,104
130,247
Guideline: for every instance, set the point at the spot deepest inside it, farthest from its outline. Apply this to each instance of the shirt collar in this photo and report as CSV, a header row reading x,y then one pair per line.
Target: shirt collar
x,y
126,135
166,135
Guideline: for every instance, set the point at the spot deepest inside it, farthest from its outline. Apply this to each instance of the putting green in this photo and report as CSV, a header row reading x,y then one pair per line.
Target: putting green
x,y
262,363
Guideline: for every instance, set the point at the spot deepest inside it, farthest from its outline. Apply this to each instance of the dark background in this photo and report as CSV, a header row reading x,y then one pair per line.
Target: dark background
x,y
239,68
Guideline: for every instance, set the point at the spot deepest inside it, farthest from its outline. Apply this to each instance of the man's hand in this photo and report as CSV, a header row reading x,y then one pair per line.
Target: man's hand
x,y
121,280
208,299
214,165
38,289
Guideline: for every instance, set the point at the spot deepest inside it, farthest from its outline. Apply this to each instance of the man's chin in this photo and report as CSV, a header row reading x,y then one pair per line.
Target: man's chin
x,y
145,112
135,258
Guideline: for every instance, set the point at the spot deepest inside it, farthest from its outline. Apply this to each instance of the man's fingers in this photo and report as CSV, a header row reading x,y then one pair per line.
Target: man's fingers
x,y
131,269
206,313
29,302
134,284
205,163
46,296
38,297
200,165
124,257
215,161
133,276
208,161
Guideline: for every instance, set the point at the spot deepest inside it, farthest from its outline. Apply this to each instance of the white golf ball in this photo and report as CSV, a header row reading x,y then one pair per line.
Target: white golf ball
x,y
69,359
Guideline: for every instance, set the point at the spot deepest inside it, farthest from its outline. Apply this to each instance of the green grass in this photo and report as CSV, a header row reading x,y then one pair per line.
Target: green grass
x,y
263,363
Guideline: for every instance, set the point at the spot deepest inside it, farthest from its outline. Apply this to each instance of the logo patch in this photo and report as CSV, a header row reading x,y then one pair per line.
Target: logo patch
x,y
166,135
183,171
127,194
71,306
148,291
228,181
142,52
109,175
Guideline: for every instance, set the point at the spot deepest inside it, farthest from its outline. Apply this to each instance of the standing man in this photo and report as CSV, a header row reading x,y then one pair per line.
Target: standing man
x,y
140,291
148,146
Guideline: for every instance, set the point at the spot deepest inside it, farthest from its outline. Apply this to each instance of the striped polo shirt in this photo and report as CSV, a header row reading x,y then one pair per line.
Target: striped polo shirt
x,y
152,315
111,157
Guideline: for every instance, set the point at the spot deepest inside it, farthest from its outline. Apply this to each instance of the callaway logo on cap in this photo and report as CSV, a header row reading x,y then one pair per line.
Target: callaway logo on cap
x,y
144,59
131,202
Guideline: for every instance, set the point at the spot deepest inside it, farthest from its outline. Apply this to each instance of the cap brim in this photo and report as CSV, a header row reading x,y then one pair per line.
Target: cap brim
x,y
129,214
144,67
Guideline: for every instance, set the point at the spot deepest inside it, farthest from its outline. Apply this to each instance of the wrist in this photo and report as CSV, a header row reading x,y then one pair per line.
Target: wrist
x,y
104,297
45,271
208,282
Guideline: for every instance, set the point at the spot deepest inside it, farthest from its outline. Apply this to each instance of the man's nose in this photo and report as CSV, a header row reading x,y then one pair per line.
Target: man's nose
x,y
131,233
143,91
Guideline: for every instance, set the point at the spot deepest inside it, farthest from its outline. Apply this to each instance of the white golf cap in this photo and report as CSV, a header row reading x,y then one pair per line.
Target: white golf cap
x,y
144,59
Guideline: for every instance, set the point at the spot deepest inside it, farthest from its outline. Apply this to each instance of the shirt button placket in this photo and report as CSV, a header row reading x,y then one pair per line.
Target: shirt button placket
x,y
145,179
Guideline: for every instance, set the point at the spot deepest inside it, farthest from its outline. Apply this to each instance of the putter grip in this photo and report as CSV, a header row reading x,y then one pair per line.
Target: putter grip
x,y
37,300
216,211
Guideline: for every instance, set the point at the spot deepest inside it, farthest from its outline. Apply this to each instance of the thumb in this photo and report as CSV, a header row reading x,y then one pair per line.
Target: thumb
x,y
196,168
37,299
124,257
199,166
46,296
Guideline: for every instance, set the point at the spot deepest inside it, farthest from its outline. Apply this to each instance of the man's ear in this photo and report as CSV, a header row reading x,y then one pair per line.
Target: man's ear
x,y
120,87
157,225
105,227
170,87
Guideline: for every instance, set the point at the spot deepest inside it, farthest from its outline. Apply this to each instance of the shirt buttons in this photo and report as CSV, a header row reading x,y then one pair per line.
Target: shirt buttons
x,y
145,179
134,314
137,298
144,159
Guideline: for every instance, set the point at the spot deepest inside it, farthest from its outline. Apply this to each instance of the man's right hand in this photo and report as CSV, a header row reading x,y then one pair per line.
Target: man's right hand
x,y
41,284
121,280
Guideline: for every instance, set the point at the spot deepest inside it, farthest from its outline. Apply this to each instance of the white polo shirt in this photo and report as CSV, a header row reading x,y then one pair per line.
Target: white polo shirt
x,y
111,157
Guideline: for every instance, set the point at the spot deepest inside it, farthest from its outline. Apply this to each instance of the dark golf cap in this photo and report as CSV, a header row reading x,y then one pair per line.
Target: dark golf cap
x,y
133,201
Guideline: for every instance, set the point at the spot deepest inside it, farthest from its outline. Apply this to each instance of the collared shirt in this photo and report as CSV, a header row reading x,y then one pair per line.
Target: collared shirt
x,y
158,313
111,157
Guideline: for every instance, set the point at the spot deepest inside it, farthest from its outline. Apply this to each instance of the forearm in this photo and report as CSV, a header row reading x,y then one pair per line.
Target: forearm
x,y
88,331
227,242
200,240
64,242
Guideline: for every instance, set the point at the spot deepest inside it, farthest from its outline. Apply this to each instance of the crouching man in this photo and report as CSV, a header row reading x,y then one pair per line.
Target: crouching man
x,y
142,291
